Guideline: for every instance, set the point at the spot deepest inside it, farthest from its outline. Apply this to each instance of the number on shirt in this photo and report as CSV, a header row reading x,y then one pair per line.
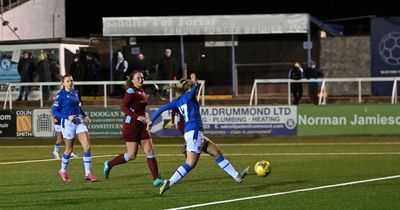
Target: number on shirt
x,y
183,109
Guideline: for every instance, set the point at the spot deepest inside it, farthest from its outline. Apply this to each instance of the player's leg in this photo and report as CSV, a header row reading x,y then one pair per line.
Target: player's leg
x,y
212,149
84,139
132,149
148,149
194,142
69,145
131,141
59,139
69,136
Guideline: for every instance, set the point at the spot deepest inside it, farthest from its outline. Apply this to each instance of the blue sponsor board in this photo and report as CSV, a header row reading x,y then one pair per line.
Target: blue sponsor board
x,y
8,71
237,121
249,130
385,53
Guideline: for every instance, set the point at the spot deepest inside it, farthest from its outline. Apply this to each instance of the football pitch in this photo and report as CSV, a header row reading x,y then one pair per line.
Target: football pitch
x,y
341,172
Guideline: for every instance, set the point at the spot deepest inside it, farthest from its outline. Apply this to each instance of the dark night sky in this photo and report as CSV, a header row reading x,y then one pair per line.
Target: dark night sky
x,y
84,17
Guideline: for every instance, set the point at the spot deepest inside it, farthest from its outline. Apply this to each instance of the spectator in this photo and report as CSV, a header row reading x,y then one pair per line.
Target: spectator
x,y
313,72
26,69
167,66
296,88
167,70
92,73
43,69
140,64
55,71
77,72
119,74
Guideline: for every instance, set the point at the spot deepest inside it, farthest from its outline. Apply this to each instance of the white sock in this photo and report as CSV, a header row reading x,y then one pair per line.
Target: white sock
x,y
56,147
87,162
64,162
179,174
226,166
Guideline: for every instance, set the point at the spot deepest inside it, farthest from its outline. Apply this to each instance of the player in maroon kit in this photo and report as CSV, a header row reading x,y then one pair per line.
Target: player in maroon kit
x,y
134,128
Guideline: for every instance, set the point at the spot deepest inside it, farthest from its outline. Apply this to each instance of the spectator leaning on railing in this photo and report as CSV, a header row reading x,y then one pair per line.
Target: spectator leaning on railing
x,y
296,88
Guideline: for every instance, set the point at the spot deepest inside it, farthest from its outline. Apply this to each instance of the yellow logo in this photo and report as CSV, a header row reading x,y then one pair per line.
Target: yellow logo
x,y
24,123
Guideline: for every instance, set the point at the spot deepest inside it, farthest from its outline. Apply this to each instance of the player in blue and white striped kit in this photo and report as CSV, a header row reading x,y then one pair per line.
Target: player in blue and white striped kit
x,y
73,123
195,140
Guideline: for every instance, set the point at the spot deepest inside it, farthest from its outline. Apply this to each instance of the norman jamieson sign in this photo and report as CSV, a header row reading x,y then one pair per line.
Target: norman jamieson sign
x,y
205,25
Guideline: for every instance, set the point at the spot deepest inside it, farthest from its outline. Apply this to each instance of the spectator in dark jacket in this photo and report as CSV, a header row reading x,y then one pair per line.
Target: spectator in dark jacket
x,y
140,64
77,71
26,68
296,88
168,67
43,69
92,73
313,72
167,70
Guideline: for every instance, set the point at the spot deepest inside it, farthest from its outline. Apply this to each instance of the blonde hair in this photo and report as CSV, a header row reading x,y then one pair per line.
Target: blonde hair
x,y
182,86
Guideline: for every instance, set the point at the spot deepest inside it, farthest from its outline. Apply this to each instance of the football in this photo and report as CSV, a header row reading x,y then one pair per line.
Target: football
x,y
262,168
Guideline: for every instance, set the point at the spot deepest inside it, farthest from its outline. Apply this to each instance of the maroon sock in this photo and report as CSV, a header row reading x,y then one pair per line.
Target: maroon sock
x,y
117,160
152,163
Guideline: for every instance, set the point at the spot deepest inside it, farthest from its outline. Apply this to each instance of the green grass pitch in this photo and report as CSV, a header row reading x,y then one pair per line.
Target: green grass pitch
x,y
297,163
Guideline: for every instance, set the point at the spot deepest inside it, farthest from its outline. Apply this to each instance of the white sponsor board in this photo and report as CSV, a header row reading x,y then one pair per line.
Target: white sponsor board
x,y
42,124
203,25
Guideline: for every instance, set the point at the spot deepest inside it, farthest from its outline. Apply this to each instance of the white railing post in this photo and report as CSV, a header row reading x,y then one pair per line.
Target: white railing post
x,y
256,95
359,91
253,92
105,94
394,91
6,97
321,93
41,94
289,92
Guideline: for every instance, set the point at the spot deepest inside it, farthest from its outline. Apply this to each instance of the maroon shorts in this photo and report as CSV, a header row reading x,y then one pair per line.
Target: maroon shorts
x,y
135,132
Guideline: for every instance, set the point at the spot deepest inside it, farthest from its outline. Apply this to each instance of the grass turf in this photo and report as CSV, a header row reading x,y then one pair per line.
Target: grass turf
x,y
297,163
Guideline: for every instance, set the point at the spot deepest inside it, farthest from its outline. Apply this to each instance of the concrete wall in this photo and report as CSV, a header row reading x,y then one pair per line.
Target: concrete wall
x,y
346,57
35,19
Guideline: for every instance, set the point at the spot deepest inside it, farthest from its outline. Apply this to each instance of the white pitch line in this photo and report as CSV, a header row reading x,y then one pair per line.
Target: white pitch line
x,y
227,154
245,144
287,192
96,156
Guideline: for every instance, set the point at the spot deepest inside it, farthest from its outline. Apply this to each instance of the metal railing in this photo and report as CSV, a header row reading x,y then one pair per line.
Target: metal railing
x,y
10,86
322,95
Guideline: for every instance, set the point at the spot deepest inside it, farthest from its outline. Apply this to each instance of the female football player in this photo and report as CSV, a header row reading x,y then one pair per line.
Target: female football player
x,y
195,140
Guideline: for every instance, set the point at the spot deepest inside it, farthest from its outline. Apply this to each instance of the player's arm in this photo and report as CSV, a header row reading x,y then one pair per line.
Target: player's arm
x,y
56,108
160,110
192,92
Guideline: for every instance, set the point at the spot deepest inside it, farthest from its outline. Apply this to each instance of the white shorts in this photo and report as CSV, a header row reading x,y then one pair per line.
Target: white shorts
x,y
57,128
194,141
70,129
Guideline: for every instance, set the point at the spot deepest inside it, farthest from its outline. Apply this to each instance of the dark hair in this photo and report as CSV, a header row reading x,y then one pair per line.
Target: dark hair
x,y
128,81
65,76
